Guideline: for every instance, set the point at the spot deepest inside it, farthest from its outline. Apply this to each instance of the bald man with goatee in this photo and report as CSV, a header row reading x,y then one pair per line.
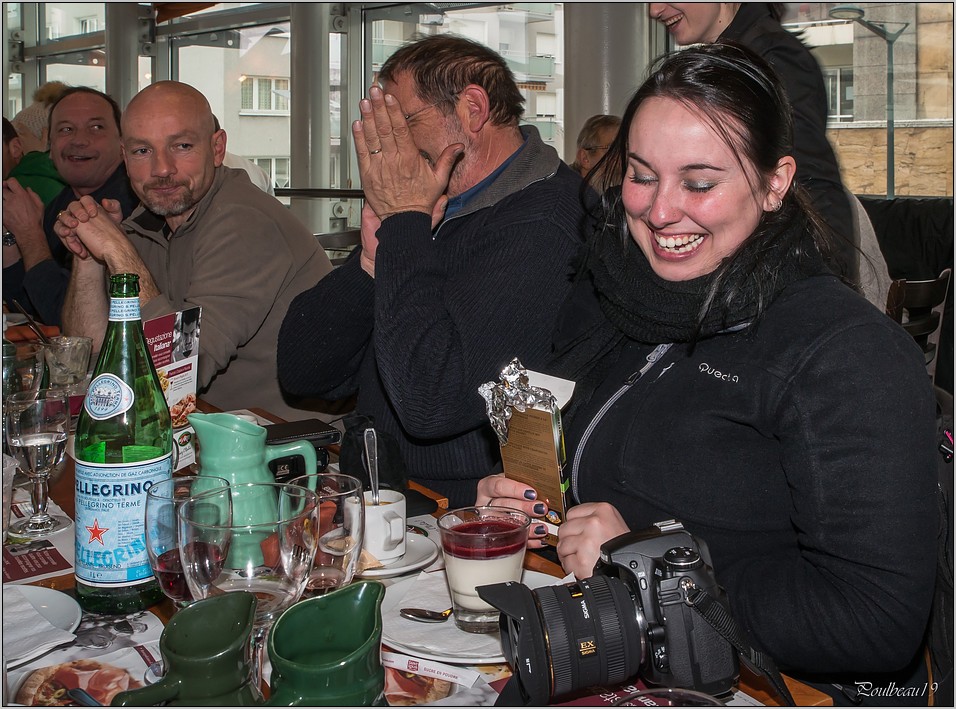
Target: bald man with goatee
x,y
204,236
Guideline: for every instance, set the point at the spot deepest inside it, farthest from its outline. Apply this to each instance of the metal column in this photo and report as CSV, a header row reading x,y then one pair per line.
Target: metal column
x,y
311,123
607,47
125,22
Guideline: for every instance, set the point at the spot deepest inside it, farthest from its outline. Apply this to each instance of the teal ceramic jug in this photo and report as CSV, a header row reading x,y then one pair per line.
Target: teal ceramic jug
x,y
327,650
235,449
206,650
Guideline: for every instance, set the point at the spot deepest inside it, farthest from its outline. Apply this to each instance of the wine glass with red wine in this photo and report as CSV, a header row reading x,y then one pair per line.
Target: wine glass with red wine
x,y
163,501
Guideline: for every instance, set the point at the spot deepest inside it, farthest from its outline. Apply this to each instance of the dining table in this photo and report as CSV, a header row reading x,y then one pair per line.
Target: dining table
x,y
62,492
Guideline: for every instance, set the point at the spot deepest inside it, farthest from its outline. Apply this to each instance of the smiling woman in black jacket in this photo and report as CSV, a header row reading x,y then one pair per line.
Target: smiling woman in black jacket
x,y
728,380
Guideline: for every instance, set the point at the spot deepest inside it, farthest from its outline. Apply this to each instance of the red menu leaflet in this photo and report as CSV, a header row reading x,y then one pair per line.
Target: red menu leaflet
x,y
173,344
26,560
31,560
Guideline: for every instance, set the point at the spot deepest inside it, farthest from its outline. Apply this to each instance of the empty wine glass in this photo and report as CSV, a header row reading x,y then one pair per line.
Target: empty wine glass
x,y
22,371
163,500
268,550
341,530
37,426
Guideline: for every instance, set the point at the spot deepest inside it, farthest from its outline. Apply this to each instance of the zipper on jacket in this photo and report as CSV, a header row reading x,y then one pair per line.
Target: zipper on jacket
x,y
652,359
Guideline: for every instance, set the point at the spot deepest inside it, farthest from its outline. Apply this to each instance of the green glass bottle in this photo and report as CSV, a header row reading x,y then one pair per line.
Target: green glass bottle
x,y
123,444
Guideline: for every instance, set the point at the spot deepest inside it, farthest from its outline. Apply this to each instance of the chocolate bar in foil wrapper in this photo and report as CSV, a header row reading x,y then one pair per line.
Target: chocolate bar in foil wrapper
x,y
527,420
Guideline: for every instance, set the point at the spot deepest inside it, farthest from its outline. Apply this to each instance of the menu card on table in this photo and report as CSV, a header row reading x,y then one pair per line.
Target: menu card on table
x,y
26,560
173,344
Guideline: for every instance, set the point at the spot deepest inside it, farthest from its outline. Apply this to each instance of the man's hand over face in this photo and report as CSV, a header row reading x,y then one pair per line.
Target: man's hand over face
x,y
396,177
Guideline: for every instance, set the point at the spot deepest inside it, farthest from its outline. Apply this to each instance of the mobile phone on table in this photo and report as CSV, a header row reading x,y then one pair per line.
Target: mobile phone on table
x,y
318,432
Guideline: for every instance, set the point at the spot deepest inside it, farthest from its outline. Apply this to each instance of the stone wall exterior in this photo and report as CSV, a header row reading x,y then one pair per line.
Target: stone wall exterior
x,y
934,64
924,160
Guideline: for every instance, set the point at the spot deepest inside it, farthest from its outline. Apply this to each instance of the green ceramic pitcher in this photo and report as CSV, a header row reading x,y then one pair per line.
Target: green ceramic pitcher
x,y
206,650
327,650
235,449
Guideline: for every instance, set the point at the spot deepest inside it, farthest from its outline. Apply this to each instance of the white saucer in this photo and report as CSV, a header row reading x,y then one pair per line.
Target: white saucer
x,y
420,551
60,609
486,647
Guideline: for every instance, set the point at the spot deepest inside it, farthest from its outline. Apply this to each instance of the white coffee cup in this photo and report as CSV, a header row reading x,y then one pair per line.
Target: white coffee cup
x,y
385,525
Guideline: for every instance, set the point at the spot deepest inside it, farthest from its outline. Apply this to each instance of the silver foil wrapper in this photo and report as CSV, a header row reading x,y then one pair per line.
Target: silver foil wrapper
x,y
512,392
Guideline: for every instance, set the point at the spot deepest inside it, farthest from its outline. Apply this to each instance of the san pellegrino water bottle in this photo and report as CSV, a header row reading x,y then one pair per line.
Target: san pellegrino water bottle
x,y
123,445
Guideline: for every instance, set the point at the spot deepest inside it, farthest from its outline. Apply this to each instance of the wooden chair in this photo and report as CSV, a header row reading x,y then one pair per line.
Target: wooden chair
x,y
918,307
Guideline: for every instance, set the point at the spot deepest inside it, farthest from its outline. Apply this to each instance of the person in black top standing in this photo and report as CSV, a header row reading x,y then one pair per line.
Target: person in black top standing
x,y
757,26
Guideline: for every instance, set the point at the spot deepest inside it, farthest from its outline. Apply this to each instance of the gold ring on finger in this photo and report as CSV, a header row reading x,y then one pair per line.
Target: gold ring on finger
x,y
374,152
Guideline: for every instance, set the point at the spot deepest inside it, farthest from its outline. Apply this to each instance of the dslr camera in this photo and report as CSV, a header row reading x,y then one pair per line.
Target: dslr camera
x,y
632,617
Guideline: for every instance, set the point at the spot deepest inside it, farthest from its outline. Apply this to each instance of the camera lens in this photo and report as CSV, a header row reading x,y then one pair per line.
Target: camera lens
x,y
562,638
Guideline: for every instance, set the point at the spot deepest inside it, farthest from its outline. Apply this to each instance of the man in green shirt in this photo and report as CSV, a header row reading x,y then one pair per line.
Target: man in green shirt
x,y
33,169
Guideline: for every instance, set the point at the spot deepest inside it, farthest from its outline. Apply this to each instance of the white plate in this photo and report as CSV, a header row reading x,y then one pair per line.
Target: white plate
x,y
60,609
420,551
487,646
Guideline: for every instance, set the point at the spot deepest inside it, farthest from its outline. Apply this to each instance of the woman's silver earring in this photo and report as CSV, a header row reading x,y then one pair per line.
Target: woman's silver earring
x,y
776,205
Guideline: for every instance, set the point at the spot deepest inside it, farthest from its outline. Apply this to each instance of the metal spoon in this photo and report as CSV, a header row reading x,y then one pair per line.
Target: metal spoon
x,y
425,616
371,455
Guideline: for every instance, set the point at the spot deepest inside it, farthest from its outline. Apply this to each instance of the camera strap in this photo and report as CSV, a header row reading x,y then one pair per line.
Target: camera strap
x,y
720,620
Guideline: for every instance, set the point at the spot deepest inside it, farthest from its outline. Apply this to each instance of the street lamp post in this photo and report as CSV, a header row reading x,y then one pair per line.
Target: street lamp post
x,y
856,14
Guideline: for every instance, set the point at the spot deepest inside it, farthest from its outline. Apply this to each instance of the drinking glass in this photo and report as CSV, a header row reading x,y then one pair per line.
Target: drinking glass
x,y
267,549
22,371
163,501
481,545
22,367
341,530
67,359
38,423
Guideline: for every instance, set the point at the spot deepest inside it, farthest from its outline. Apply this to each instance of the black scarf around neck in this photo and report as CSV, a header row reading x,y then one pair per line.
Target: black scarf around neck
x,y
646,308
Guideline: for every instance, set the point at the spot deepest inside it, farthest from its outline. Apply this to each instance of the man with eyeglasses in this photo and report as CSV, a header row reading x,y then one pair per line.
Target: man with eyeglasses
x,y
468,232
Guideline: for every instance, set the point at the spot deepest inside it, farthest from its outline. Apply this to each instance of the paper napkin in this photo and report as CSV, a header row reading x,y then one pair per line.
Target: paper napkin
x,y
26,633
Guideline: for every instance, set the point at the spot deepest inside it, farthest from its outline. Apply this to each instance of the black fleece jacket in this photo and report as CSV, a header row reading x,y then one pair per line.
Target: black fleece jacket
x,y
802,452
444,314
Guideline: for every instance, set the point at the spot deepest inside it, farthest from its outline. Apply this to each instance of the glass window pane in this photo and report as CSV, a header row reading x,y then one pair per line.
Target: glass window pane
x,y
245,99
78,69
12,10
282,172
528,35
864,119
66,19
264,87
281,97
256,61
